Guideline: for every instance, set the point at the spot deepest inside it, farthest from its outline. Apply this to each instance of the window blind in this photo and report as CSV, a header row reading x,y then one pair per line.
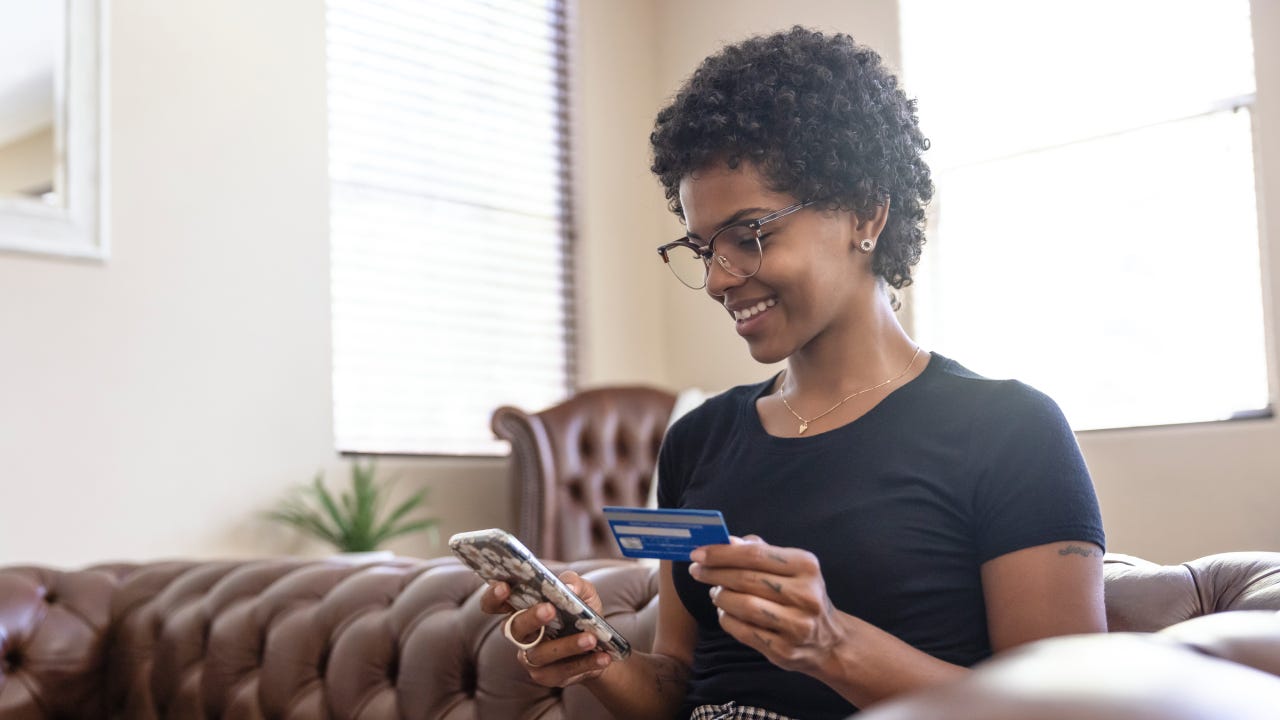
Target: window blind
x,y
1094,231
449,219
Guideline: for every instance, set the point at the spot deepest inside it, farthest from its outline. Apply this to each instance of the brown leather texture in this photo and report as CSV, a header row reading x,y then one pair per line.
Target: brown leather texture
x,y
1143,596
305,638
282,638
568,461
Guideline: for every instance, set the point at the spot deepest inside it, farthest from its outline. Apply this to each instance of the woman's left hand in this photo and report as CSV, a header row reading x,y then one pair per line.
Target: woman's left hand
x,y
772,599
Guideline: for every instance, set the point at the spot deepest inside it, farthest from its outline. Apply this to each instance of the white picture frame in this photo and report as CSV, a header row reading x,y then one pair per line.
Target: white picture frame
x,y
77,226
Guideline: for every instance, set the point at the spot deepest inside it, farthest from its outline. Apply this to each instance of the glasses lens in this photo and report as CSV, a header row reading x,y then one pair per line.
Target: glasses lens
x,y
687,266
738,249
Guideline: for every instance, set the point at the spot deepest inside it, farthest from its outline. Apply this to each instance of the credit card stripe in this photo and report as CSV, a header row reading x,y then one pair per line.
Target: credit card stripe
x,y
657,531
672,518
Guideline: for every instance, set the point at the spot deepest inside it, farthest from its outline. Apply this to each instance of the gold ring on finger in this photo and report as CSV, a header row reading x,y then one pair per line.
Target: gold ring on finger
x,y
524,655
506,630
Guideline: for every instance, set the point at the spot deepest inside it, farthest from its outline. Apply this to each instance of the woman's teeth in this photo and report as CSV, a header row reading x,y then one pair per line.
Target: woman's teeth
x,y
754,310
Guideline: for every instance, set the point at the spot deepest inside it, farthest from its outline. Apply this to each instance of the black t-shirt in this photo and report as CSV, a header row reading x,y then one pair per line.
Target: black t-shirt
x,y
901,507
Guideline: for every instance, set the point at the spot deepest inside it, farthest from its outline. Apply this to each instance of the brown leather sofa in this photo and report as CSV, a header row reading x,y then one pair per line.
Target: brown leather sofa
x,y
295,638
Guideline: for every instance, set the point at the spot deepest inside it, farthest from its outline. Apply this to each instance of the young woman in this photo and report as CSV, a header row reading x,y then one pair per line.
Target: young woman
x,y
901,517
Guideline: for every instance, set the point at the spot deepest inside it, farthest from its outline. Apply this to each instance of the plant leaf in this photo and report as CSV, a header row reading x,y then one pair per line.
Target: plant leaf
x,y
366,502
343,529
412,527
350,522
308,521
401,510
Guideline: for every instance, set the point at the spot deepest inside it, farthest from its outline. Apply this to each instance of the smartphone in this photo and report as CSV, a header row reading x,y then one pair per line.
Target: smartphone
x,y
497,555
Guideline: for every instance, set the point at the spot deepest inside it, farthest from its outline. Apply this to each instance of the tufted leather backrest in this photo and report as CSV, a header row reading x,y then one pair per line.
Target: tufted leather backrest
x,y
597,448
283,638
54,629
1143,596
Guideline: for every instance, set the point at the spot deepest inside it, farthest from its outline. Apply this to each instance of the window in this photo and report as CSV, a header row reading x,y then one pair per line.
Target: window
x,y
449,224
1095,227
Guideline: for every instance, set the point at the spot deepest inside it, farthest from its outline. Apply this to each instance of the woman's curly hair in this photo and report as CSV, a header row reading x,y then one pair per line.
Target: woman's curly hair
x,y
820,117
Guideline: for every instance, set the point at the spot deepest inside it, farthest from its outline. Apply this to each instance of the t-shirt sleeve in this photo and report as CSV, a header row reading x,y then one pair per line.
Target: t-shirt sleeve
x,y
1031,483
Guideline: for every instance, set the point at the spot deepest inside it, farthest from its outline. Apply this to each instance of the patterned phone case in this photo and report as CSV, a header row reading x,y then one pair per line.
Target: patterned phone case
x,y
497,555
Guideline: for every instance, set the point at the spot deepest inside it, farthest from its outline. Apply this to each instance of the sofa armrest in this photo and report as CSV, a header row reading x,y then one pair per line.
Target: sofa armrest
x,y
1117,676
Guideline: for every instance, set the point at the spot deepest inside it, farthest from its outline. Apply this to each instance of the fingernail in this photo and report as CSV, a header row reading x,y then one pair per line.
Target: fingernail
x,y
501,592
698,555
586,641
603,659
715,592
695,569
544,612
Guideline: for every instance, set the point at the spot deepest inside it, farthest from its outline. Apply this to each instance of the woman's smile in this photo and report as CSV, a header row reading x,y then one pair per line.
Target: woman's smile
x,y
746,312
748,316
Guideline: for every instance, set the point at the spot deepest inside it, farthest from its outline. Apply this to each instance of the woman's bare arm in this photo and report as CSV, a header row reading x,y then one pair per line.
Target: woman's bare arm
x,y
1044,591
653,685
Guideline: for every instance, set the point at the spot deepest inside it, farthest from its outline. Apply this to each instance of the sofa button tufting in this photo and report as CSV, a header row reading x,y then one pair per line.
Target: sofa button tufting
x,y
470,681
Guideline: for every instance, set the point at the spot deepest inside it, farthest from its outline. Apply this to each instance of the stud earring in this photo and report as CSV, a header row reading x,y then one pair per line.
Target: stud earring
x,y
867,245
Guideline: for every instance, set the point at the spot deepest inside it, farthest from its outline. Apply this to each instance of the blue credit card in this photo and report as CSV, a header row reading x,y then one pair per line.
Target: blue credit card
x,y
665,534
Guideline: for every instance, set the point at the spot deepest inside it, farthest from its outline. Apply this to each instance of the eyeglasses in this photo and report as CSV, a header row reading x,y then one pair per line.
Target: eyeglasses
x,y
738,251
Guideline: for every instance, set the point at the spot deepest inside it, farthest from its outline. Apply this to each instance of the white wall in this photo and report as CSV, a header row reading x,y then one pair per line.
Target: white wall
x,y
620,318
151,406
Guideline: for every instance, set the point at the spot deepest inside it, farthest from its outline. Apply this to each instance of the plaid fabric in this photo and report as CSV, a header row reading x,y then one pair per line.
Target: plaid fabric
x,y
733,711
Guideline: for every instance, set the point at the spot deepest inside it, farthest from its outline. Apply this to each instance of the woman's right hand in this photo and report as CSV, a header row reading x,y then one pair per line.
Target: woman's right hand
x,y
553,662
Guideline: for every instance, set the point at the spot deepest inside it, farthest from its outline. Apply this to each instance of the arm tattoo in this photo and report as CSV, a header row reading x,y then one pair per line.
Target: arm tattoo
x,y
1076,550
776,587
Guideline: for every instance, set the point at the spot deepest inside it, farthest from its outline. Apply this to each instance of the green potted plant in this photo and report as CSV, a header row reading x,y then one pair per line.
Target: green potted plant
x,y
357,521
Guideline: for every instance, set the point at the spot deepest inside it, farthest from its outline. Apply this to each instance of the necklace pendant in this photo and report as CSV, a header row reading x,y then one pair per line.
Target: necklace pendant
x,y
804,425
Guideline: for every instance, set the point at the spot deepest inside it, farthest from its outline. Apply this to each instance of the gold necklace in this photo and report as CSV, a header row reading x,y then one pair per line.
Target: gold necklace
x,y
804,424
